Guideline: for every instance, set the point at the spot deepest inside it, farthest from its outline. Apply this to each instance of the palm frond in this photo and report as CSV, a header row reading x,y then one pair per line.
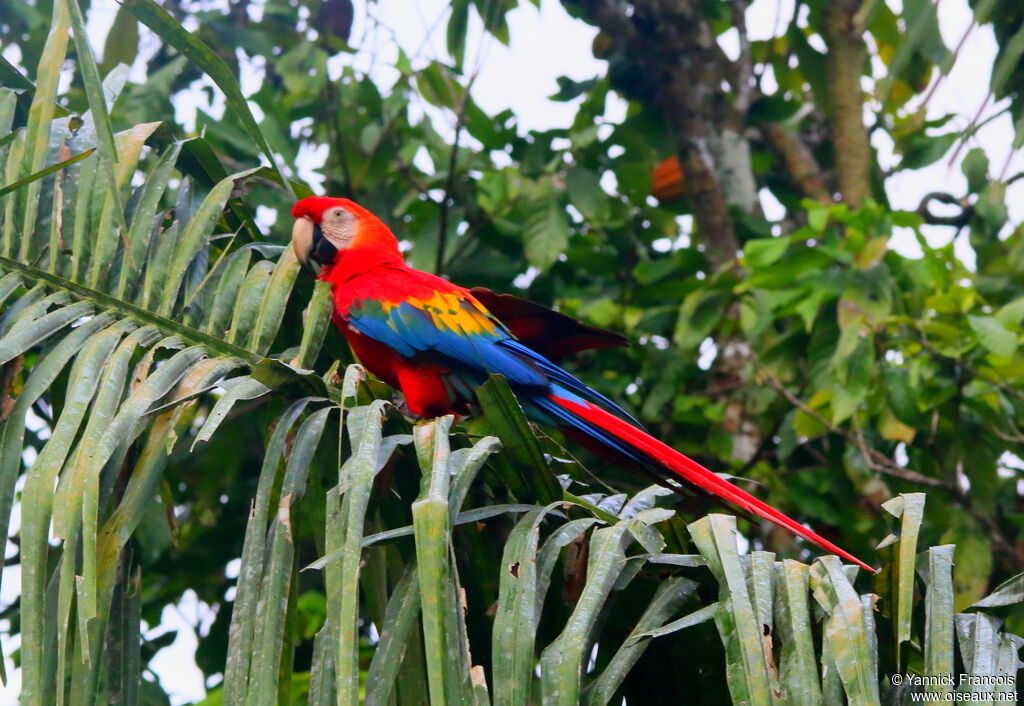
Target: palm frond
x,y
100,274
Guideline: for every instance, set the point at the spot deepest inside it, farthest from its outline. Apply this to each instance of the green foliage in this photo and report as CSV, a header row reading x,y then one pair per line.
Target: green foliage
x,y
178,383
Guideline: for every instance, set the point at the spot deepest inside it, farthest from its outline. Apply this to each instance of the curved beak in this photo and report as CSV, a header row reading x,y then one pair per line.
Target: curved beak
x,y
302,241
311,246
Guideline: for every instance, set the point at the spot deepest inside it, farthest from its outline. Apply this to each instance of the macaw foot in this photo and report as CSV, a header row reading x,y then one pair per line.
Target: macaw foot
x,y
403,406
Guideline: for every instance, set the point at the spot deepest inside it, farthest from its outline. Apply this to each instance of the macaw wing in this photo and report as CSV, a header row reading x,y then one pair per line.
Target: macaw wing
x,y
448,324
550,333
457,328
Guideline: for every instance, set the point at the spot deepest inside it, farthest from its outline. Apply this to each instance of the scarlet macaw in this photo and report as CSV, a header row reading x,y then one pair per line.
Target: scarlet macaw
x,y
437,341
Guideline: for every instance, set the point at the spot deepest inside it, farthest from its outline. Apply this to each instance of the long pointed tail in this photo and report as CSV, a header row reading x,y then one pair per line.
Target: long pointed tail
x,y
583,417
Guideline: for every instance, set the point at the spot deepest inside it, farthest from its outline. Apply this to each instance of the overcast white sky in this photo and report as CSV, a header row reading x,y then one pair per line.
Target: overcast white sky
x,y
546,44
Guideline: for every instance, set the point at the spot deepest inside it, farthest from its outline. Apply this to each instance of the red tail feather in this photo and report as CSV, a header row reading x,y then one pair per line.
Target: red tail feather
x,y
694,473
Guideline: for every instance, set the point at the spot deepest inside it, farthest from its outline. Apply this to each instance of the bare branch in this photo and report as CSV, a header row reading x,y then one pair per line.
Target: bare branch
x,y
958,220
798,161
844,65
875,459
744,84
449,185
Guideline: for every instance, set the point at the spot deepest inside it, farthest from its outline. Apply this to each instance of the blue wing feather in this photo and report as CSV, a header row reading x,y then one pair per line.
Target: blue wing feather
x,y
472,342
409,330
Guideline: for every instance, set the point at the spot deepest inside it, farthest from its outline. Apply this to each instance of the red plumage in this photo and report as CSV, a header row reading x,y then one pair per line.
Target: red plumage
x,y
436,341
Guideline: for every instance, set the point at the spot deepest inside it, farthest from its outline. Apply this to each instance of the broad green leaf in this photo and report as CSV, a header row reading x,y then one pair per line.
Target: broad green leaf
x,y
11,76
456,35
1009,61
909,508
37,504
993,335
798,675
749,677
699,313
892,428
504,418
167,28
545,231
395,632
243,616
439,86
763,252
516,617
922,38
847,630
669,597
924,150
432,532
272,606
562,661
973,561
936,565
357,474
122,45
316,320
975,169
1009,592
585,193
39,121
24,181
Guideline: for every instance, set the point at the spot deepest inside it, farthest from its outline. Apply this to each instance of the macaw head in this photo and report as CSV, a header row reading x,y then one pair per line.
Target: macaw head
x,y
326,226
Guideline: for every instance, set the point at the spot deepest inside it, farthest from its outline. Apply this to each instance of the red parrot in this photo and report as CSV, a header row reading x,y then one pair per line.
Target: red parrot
x,y
437,342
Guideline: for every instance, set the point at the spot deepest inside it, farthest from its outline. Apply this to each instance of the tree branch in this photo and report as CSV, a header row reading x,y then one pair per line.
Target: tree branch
x,y
672,46
798,161
449,185
442,228
844,65
958,220
744,84
875,459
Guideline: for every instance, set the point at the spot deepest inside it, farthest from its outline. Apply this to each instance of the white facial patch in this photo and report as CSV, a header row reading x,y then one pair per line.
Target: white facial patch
x,y
339,227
